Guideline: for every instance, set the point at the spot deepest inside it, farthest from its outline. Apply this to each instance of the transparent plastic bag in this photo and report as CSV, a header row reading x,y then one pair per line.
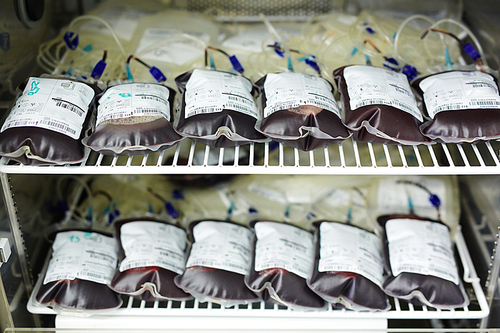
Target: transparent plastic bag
x,y
217,109
282,261
219,259
461,106
348,269
378,110
410,242
299,110
152,255
49,119
134,118
76,281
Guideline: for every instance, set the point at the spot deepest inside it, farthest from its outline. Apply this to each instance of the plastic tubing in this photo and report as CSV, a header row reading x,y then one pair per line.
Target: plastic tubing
x,y
400,29
106,24
467,30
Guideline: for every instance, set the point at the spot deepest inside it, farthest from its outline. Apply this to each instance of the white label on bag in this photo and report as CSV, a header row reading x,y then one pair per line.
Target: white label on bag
x,y
82,255
148,244
421,247
458,91
292,90
370,85
166,45
57,105
345,248
221,245
212,91
123,21
134,100
284,246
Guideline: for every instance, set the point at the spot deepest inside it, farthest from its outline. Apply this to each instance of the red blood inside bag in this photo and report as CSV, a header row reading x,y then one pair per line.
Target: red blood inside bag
x,y
152,255
47,122
218,262
134,118
218,109
462,106
282,262
79,271
300,111
421,263
348,270
379,105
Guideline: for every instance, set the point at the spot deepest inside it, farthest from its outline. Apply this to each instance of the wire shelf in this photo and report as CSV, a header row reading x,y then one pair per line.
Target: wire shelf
x,y
178,314
347,158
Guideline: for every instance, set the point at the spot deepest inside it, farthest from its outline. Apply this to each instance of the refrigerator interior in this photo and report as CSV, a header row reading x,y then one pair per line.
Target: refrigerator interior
x,y
30,192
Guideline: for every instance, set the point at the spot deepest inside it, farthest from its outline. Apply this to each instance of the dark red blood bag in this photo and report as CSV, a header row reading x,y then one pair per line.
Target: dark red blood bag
x,y
461,106
420,261
47,122
379,105
134,118
218,262
299,110
152,254
282,261
218,109
79,272
349,265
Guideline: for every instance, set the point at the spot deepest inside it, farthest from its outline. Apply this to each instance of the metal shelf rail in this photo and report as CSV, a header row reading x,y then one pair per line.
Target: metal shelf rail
x,y
347,158
260,315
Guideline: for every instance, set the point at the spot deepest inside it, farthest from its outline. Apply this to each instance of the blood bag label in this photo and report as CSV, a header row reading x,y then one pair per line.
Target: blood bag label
x,y
148,244
166,45
421,247
292,90
134,100
221,245
82,255
345,248
57,105
284,246
212,91
458,91
370,85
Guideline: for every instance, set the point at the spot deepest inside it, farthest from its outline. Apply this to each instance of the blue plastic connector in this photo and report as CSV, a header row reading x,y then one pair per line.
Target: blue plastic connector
x,y
252,210
236,64
354,51
279,52
88,48
410,72
157,74
392,61
471,51
113,215
171,210
435,201
370,30
71,40
98,69
130,77
178,194
449,63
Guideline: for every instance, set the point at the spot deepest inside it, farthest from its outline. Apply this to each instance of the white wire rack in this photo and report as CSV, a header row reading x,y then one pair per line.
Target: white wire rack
x,y
193,314
349,158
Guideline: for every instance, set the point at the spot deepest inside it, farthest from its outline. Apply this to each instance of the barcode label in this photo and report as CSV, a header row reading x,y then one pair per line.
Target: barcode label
x,y
370,86
212,91
70,107
148,244
284,246
291,90
214,247
57,105
459,91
